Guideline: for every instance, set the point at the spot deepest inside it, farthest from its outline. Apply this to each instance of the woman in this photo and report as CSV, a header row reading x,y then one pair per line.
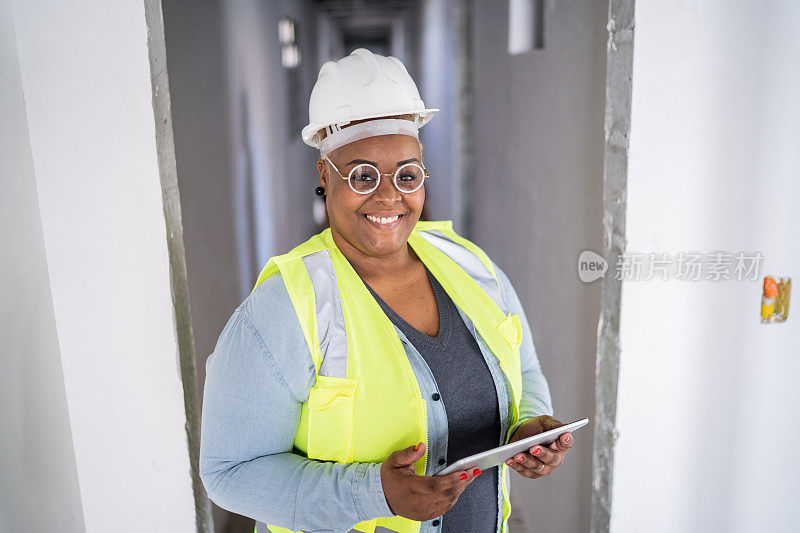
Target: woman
x,y
377,352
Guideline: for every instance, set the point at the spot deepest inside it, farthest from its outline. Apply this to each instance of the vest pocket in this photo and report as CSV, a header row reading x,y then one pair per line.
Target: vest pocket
x,y
330,419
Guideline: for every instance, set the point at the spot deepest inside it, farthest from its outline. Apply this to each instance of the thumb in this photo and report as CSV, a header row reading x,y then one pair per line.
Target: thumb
x,y
407,456
548,422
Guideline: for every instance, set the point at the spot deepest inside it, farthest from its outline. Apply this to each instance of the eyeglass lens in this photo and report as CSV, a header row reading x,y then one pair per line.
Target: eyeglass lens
x,y
364,178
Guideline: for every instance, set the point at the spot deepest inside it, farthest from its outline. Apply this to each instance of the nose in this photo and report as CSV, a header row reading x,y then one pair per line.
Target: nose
x,y
386,192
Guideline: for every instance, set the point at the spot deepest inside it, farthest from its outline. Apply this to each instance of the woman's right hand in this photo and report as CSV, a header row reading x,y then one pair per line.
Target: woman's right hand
x,y
416,497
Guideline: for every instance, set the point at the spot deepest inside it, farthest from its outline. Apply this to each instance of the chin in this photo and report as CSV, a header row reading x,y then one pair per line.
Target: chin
x,y
384,244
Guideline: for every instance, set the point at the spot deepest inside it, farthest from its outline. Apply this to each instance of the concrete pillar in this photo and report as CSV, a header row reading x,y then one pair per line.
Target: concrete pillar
x,y
97,113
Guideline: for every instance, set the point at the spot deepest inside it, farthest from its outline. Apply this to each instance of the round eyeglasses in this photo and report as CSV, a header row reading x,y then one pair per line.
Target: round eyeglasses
x,y
364,178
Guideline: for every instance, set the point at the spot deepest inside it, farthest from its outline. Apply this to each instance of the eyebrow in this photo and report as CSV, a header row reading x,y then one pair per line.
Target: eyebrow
x,y
374,164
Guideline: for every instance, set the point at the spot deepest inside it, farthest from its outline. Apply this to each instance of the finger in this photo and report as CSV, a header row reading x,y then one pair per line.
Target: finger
x,y
448,493
559,460
535,465
526,459
449,484
439,484
523,469
449,496
520,458
548,422
516,466
539,468
468,476
564,442
406,457
529,465
546,456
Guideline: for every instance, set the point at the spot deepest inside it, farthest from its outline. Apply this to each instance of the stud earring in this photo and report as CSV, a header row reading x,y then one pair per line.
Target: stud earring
x,y
320,191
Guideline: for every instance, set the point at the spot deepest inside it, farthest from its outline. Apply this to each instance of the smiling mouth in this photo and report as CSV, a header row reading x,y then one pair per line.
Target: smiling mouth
x,y
384,222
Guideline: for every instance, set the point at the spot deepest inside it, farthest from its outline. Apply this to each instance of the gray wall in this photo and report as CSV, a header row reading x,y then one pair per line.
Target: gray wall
x,y
274,171
38,479
195,58
437,83
538,129
246,178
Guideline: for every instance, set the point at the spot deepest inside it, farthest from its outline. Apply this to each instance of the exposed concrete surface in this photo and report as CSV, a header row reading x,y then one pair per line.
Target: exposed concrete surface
x,y
617,129
165,145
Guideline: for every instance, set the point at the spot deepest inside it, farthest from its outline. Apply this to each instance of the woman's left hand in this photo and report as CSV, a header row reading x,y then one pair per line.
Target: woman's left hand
x,y
539,460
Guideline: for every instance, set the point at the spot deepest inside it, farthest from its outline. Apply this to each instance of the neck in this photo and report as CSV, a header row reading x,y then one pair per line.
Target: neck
x,y
387,269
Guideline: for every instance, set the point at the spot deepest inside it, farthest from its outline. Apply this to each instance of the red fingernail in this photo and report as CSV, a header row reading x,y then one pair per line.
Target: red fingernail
x,y
416,447
510,462
476,472
536,451
566,439
463,476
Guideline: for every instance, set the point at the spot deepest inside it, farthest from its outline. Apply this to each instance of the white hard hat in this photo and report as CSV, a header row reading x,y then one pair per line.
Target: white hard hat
x,y
359,86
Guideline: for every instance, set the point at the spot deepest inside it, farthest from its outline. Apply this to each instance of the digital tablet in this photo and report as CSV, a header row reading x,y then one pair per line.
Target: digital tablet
x,y
500,455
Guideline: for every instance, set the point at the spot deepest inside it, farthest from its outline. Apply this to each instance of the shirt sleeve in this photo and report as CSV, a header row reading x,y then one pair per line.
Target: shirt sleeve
x,y
254,389
535,399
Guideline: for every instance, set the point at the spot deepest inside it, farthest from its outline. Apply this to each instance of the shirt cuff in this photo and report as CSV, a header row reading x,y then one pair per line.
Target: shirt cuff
x,y
514,428
368,492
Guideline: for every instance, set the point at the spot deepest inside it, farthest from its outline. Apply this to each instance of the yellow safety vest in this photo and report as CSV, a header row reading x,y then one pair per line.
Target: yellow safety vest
x,y
366,402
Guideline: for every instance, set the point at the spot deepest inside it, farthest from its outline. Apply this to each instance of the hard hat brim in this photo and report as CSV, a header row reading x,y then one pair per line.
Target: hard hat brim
x,y
309,132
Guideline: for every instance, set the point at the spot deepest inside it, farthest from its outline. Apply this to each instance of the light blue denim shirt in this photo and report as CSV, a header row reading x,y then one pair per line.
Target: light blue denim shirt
x,y
256,381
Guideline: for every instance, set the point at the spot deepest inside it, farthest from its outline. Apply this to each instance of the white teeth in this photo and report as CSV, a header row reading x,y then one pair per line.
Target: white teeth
x,y
380,220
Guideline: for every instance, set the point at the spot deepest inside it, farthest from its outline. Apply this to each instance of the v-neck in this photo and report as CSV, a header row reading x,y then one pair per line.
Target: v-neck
x,y
444,311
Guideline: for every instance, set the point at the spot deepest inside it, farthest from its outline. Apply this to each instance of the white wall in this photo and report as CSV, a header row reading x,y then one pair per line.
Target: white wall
x,y
714,165
85,76
37,463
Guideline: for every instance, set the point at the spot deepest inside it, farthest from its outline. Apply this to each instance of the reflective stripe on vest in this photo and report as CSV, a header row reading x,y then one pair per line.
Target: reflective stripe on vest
x,y
330,318
264,528
366,402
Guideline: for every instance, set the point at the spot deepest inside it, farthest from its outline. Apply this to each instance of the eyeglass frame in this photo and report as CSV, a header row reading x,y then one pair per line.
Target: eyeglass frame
x,y
425,176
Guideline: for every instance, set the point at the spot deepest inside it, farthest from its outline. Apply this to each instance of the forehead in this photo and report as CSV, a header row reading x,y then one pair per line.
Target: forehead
x,y
387,149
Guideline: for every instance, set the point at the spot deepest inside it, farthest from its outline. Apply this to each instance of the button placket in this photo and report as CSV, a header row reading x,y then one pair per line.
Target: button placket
x,y
437,417
503,397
